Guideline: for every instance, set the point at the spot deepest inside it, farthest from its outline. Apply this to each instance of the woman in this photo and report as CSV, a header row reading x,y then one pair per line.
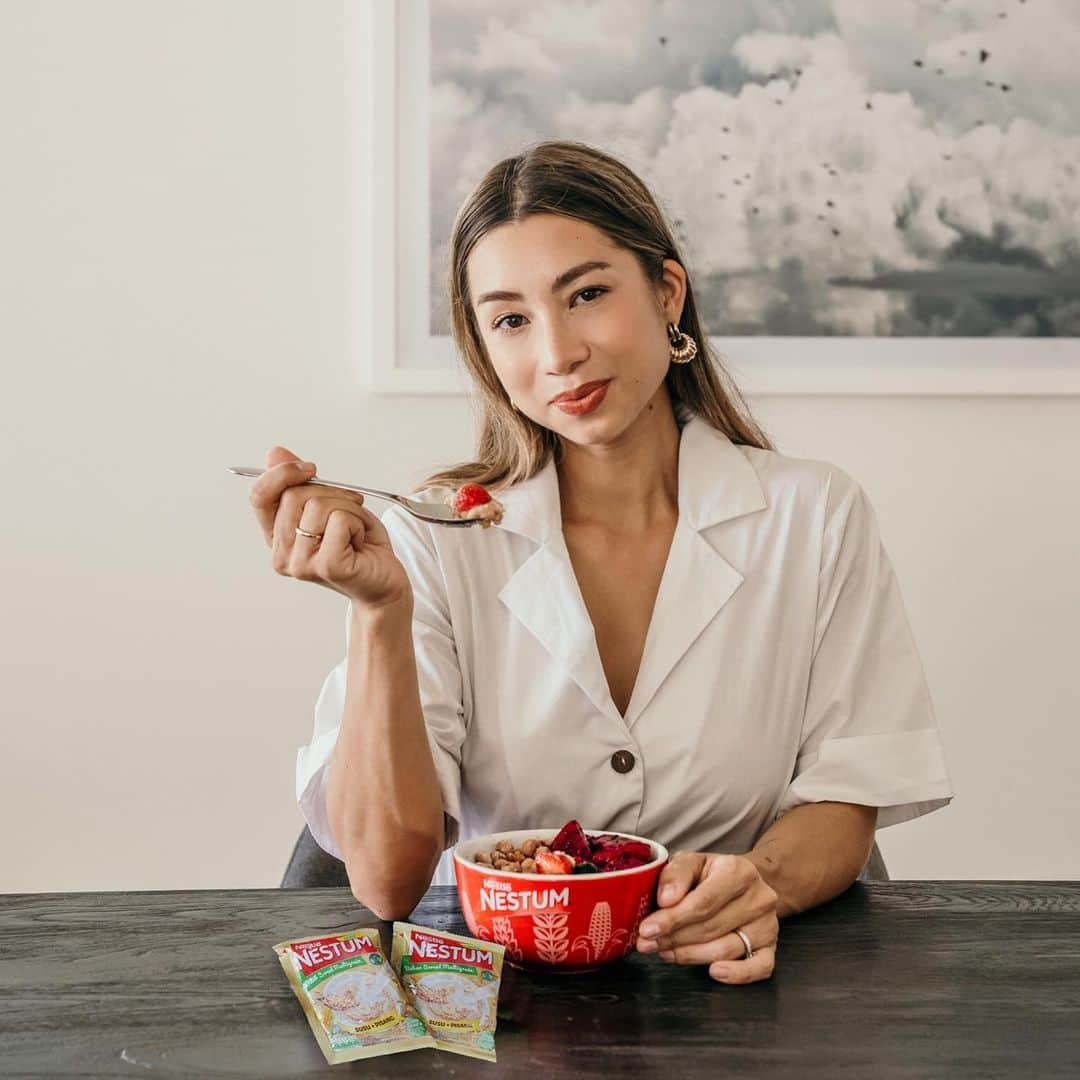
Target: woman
x,y
676,631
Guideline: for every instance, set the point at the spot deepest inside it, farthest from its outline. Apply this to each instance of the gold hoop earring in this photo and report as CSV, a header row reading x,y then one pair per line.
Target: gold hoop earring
x,y
683,347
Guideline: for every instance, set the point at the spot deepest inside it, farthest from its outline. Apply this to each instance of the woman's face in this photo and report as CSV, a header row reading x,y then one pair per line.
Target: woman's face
x,y
548,330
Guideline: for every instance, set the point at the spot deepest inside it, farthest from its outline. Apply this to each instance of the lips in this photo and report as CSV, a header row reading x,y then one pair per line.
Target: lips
x,y
578,392
585,406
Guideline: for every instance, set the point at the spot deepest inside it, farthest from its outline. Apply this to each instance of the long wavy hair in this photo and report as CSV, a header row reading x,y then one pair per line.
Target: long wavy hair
x,y
576,181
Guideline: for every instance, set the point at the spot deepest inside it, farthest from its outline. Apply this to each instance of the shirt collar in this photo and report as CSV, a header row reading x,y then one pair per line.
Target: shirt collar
x,y
716,483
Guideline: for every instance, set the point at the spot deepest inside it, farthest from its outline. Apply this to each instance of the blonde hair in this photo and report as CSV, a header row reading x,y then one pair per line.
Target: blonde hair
x,y
577,181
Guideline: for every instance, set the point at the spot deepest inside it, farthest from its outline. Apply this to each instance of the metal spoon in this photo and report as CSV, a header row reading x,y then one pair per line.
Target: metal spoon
x,y
434,512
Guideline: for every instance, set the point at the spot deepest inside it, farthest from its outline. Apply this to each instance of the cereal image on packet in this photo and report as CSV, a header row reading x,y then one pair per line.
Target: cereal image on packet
x,y
454,983
351,996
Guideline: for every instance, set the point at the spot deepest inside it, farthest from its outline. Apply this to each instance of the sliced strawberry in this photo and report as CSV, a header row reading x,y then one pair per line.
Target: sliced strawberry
x,y
571,839
470,495
554,862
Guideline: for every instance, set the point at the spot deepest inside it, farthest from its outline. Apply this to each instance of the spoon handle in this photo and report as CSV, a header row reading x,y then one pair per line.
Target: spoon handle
x,y
247,470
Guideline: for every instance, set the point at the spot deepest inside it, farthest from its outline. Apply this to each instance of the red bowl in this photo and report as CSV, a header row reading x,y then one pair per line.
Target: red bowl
x,y
555,922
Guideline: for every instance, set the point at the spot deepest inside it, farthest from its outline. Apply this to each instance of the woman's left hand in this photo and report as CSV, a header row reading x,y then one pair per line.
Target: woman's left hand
x,y
703,898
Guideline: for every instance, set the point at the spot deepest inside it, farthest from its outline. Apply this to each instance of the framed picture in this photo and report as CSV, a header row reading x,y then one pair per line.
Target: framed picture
x,y
855,220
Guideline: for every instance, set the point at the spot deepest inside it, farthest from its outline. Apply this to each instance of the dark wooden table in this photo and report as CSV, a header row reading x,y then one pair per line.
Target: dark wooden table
x,y
891,980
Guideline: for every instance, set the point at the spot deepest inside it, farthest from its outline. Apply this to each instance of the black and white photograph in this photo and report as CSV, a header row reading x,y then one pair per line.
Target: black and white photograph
x,y
832,167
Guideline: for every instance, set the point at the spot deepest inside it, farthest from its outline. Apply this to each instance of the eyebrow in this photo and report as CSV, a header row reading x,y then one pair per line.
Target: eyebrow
x,y
560,282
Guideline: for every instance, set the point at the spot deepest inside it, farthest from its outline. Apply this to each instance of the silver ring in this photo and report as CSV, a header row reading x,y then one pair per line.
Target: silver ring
x,y
746,943
310,536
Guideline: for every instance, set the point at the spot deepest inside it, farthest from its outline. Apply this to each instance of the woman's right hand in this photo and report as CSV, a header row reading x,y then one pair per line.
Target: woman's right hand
x,y
354,557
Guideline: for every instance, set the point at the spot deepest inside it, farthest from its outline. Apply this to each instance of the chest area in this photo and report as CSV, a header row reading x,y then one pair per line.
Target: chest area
x,y
619,583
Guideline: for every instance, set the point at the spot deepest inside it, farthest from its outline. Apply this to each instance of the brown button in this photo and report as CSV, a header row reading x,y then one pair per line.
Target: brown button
x,y
622,761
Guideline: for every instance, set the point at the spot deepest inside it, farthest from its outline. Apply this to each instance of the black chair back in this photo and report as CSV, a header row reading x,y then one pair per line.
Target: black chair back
x,y
312,868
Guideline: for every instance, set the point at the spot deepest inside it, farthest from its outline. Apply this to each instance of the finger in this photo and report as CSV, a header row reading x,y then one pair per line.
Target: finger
x,y
375,530
715,885
338,534
678,877
723,944
278,454
344,523
313,514
676,882
740,912
706,930
268,489
760,966
344,531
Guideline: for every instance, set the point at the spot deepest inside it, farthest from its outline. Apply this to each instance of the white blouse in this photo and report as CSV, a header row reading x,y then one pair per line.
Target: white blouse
x,y
779,667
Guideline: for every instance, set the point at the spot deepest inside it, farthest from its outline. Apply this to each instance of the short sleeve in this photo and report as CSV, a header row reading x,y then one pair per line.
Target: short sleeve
x,y
869,733
440,685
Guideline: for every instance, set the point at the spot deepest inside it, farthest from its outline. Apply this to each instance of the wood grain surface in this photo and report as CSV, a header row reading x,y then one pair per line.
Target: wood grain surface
x,y
891,980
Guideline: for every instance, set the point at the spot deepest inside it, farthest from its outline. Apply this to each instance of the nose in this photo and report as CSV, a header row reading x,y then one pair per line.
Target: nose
x,y
562,349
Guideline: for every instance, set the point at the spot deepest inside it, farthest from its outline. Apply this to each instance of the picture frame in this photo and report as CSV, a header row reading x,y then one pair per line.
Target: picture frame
x,y
405,359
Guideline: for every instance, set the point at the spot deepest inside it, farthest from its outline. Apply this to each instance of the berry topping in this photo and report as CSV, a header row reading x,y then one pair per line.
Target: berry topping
x,y
571,839
616,853
470,495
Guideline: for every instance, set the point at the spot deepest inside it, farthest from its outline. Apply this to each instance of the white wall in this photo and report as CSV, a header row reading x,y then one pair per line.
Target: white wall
x,y
182,284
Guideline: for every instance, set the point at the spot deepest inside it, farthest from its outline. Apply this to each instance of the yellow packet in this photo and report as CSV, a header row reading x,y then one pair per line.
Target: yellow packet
x,y
454,983
351,996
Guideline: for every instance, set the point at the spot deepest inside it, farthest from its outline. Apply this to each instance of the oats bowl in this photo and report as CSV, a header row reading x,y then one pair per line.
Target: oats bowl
x,y
553,921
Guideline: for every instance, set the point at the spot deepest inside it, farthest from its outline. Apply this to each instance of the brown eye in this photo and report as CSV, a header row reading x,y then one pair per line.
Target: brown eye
x,y
592,289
